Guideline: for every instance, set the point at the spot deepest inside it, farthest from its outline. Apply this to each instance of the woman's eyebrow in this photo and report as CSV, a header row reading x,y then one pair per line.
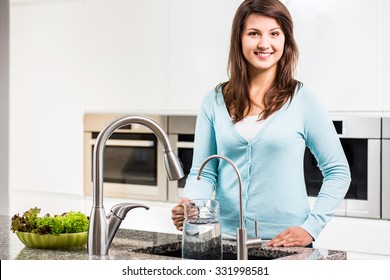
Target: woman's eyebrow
x,y
258,30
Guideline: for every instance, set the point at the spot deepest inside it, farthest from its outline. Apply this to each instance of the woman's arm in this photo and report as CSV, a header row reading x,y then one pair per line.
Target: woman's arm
x,y
324,143
204,146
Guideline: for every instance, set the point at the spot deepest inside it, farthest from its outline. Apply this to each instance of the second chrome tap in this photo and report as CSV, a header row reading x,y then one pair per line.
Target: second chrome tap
x,y
243,243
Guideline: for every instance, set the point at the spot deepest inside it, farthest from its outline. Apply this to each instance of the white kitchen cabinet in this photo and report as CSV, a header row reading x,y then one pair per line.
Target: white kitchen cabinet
x,y
46,96
69,57
340,51
386,56
126,46
199,35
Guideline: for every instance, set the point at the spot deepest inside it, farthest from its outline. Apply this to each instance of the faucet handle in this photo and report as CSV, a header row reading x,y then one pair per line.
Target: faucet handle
x,y
120,210
256,230
254,242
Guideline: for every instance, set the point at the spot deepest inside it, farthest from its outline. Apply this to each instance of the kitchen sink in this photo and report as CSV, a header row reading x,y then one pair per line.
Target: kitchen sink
x,y
173,250
226,256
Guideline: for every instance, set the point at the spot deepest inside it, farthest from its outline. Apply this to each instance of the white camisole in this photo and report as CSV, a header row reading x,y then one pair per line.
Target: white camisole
x,y
250,126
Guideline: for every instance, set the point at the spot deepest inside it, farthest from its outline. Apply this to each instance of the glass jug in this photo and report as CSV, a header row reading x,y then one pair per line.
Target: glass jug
x,y
201,231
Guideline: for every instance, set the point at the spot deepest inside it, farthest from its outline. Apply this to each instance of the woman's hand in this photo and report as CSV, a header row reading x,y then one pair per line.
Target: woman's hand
x,y
178,214
292,237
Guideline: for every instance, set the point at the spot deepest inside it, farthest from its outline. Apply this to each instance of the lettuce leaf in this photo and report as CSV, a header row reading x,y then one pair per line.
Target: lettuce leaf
x,y
70,222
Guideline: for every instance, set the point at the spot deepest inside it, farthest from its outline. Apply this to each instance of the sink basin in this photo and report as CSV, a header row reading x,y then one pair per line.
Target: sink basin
x,y
173,250
226,256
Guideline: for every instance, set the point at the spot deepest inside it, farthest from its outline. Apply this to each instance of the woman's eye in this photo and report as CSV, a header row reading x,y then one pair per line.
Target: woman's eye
x,y
274,34
253,34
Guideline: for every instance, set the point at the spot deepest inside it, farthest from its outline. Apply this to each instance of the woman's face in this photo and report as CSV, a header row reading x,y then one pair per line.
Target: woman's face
x,y
262,43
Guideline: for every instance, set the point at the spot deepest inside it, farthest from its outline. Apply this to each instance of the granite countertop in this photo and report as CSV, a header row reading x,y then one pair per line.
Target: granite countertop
x,y
143,245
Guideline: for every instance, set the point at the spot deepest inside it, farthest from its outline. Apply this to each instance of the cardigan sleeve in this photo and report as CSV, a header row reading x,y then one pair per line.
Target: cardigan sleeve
x,y
204,146
324,143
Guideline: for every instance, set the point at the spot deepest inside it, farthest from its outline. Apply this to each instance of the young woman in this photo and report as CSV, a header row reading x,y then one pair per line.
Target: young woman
x,y
263,119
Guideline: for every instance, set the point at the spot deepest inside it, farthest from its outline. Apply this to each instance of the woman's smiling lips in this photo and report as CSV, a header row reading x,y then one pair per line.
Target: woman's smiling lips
x,y
263,55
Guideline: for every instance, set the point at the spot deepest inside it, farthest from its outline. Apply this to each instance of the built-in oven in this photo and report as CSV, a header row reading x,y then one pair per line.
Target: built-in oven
x,y
361,140
133,164
181,131
386,168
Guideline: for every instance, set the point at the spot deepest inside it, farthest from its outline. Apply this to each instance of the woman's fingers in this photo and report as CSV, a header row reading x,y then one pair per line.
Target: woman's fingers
x,y
291,237
177,215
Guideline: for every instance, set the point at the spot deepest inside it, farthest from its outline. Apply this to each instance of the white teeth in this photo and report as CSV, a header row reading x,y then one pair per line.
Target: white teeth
x,y
263,55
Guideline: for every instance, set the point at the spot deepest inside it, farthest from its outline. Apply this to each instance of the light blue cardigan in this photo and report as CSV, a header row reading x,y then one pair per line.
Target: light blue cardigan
x,y
271,166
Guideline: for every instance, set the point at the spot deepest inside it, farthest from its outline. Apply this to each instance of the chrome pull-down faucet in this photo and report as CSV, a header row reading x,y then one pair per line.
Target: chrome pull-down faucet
x,y
243,243
102,229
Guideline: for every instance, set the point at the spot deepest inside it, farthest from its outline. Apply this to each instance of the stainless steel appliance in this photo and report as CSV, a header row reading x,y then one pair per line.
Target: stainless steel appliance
x,y
181,131
133,163
386,168
361,141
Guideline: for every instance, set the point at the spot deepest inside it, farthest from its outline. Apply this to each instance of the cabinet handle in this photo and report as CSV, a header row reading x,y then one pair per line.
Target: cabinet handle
x,y
127,143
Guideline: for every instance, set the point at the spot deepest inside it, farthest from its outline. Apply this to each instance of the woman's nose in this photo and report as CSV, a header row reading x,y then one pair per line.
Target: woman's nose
x,y
263,44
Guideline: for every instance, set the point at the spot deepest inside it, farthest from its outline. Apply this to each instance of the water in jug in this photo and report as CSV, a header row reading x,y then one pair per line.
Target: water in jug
x,y
202,230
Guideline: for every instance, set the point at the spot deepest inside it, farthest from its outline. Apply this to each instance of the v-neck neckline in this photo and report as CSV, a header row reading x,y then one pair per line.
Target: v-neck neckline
x,y
267,122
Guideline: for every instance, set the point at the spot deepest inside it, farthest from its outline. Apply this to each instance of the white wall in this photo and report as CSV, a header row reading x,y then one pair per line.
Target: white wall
x,y
386,56
340,51
198,49
126,46
46,102
4,104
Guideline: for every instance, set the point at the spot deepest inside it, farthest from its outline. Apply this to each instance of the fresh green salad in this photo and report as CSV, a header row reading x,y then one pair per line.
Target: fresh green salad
x,y
69,222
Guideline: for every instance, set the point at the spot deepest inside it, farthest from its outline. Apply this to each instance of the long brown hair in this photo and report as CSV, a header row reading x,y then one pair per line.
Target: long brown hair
x,y
236,90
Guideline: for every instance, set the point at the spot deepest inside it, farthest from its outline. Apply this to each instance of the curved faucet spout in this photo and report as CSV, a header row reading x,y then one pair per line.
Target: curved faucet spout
x,y
102,229
238,177
172,163
242,237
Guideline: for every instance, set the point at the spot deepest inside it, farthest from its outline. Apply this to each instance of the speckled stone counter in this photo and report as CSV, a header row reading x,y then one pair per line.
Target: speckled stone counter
x,y
143,245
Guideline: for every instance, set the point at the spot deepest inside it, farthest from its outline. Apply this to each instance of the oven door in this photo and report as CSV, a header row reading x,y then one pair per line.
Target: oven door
x,y
132,166
363,152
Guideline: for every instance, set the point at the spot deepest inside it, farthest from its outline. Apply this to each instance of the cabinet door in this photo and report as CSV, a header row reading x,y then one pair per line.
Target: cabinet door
x,y
340,51
199,35
386,56
46,96
126,55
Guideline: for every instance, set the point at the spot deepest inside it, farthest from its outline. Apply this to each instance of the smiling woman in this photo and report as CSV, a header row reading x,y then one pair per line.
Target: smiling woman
x,y
262,60
262,45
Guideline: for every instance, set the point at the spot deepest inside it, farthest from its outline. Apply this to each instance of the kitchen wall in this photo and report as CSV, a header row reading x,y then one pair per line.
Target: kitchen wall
x,y
341,51
4,104
47,79
386,57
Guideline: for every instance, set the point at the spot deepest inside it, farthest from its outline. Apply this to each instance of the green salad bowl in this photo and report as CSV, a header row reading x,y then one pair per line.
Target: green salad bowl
x,y
53,241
